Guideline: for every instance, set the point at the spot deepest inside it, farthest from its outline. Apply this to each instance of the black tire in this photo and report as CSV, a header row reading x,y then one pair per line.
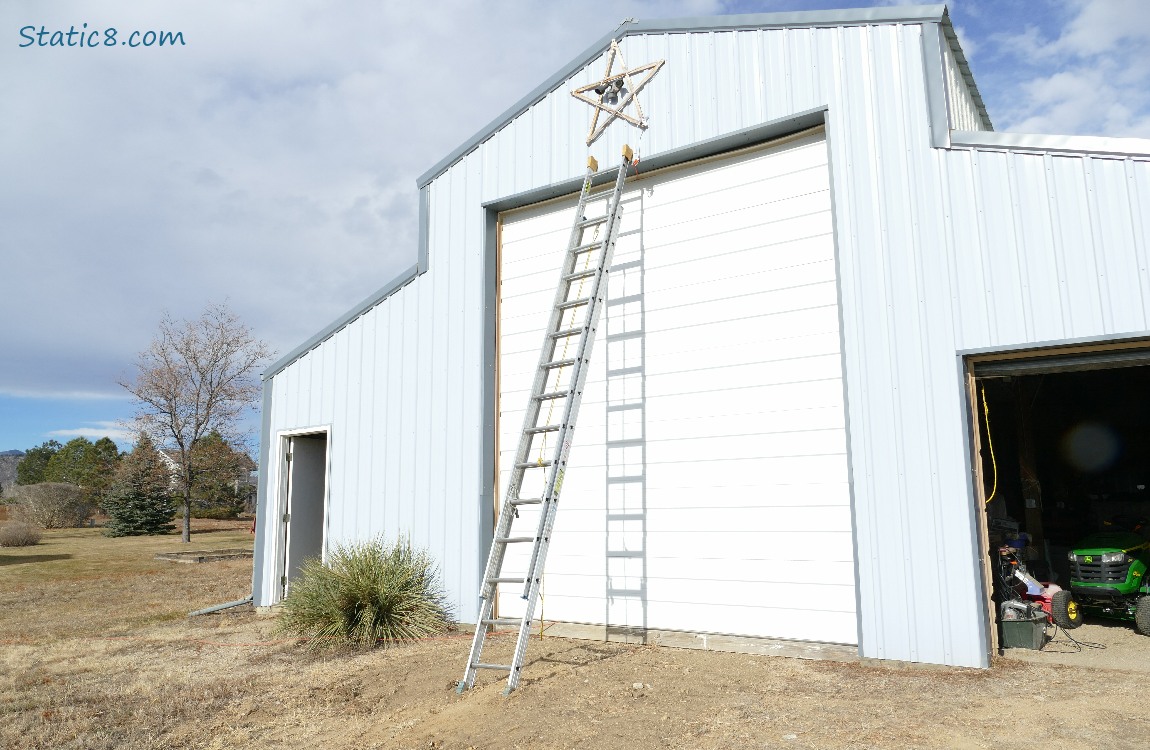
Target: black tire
x,y
1065,611
1142,615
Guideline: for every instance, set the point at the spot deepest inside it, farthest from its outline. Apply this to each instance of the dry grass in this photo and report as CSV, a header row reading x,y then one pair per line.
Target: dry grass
x,y
101,656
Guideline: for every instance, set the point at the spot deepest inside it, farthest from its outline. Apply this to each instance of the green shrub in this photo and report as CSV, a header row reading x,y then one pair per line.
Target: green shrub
x,y
368,593
19,534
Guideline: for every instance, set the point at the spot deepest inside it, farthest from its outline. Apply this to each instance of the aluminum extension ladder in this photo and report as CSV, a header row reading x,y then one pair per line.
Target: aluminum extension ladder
x,y
585,261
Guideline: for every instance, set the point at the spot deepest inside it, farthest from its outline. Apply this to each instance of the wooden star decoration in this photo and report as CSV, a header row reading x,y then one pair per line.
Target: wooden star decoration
x,y
619,87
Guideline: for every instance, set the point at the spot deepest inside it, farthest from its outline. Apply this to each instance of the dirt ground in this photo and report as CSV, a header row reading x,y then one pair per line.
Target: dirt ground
x,y
106,658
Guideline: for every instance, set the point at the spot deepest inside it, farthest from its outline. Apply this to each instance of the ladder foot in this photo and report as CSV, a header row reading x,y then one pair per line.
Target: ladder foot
x,y
460,687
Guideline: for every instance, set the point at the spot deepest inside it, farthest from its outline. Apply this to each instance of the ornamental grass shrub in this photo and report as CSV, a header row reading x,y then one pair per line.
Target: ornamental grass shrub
x,y
369,593
19,534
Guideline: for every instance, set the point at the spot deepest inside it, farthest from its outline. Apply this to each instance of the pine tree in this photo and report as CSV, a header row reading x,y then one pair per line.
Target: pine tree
x,y
140,501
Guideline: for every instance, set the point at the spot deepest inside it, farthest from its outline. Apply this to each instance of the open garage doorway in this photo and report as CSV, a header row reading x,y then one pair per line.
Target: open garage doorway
x,y
1062,452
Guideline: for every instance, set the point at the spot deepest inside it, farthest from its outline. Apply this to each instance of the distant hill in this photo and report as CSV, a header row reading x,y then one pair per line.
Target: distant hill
x,y
8,462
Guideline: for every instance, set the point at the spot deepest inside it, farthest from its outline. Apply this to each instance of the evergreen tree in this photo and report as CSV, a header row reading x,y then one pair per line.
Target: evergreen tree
x,y
140,500
85,464
30,470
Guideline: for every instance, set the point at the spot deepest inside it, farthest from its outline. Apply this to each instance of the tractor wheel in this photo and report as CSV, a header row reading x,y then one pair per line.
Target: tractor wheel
x,y
1065,612
1142,615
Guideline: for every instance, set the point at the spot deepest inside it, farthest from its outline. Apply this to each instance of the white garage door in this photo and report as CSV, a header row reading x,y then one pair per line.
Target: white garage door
x,y
707,489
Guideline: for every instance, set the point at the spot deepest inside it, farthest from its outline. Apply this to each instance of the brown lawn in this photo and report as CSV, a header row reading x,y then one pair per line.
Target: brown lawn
x,y
96,652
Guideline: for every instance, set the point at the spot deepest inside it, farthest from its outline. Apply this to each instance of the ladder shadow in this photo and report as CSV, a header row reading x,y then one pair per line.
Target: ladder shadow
x,y
625,516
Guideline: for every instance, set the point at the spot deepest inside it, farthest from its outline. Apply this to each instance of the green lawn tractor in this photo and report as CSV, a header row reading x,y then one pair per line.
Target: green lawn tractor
x,y
1108,578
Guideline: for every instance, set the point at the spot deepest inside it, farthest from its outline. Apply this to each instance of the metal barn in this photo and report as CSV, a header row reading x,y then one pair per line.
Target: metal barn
x,y
779,441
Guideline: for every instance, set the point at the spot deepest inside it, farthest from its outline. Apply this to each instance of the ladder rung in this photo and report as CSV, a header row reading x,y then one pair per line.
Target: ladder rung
x,y
558,363
481,665
544,428
514,539
625,592
527,501
567,332
592,222
553,394
574,303
581,274
624,553
586,247
506,580
502,621
533,465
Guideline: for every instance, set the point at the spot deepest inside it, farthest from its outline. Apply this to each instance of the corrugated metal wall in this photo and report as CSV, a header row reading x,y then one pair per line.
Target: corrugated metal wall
x,y
938,251
963,111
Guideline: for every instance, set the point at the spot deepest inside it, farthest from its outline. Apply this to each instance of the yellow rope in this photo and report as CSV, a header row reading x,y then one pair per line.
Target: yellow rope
x,y
990,442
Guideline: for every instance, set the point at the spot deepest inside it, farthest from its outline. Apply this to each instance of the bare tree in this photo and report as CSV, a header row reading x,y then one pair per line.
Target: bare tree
x,y
198,376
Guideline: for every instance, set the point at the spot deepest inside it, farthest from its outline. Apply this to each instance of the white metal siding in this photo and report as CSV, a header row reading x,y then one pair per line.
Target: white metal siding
x,y
938,251
964,113
738,411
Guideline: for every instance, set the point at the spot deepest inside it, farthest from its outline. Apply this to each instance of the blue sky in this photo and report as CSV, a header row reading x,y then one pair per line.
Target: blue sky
x,y
270,161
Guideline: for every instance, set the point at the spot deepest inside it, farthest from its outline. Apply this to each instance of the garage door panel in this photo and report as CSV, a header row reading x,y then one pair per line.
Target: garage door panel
x,y
680,427
706,212
734,487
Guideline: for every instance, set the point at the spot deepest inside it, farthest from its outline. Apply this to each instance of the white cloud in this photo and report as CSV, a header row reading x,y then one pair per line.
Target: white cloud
x,y
118,431
1092,78
271,161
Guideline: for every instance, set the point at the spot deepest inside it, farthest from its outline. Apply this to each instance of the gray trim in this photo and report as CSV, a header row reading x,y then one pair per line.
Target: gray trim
x,y
846,396
489,398
937,102
738,139
423,246
977,554
1134,337
260,544
847,17
1087,145
386,291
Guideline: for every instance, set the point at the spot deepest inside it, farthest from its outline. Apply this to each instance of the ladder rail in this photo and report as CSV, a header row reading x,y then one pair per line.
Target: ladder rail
x,y
577,252
574,401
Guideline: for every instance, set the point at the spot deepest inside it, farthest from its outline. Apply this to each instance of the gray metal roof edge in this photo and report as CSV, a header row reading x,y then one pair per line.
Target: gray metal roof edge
x,y
964,68
1075,144
403,279
846,17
